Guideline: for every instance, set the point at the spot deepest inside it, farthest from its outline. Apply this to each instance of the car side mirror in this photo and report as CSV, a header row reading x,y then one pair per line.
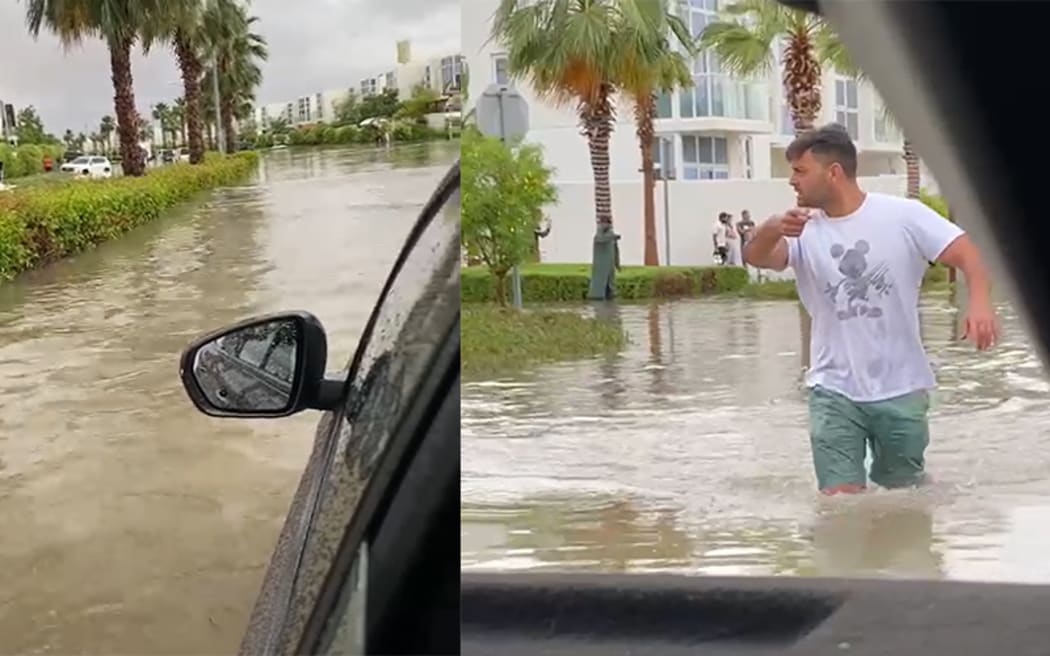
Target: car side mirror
x,y
268,366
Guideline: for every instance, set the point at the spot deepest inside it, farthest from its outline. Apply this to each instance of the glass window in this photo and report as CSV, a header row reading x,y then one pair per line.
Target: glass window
x,y
846,110
499,69
663,105
704,157
687,103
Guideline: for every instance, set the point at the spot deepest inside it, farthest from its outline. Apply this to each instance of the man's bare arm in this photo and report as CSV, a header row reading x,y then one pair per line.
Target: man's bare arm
x,y
767,248
962,254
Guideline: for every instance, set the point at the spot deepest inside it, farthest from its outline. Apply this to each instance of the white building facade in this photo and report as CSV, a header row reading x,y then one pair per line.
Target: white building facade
x,y
723,131
442,74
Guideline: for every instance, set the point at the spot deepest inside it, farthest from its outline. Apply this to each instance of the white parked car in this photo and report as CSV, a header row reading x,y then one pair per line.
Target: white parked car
x,y
92,166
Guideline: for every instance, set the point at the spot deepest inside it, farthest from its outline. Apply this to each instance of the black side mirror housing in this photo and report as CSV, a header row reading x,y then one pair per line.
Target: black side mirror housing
x,y
264,367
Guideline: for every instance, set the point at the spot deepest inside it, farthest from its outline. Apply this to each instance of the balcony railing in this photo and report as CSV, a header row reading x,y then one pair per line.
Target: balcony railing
x,y
717,95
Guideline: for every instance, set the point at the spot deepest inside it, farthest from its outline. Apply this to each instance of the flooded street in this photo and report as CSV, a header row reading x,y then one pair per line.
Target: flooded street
x,y
132,523
689,452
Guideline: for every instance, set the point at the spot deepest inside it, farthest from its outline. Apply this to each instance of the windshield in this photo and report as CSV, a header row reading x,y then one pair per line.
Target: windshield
x,y
80,160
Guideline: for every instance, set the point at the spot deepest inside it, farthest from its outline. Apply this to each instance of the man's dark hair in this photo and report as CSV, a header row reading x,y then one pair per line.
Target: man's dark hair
x,y
722,215
830,144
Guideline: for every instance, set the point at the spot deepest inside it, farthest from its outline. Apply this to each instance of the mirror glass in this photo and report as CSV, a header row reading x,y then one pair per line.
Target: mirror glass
x,y
250,369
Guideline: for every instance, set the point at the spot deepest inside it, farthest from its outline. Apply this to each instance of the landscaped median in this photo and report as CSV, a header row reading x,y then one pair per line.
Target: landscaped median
x,y
553,283
499,340
546,283
41,224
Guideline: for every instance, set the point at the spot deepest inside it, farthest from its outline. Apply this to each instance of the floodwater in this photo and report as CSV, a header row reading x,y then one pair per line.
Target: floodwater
x,y
689,453
132,524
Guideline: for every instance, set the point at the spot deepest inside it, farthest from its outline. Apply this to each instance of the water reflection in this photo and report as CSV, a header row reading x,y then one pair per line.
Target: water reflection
x,y
701,422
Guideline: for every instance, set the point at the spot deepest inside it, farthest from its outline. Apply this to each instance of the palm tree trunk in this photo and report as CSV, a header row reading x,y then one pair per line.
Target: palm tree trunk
x,y
227,125
911,162
644,113
597,122
802,81
132,160
191,68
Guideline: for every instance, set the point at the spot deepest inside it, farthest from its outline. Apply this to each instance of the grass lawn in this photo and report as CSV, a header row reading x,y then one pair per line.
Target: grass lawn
x,y
498,340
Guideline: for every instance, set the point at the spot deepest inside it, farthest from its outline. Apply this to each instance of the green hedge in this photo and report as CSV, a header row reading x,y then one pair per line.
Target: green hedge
x,y
38,225
29,159
570,282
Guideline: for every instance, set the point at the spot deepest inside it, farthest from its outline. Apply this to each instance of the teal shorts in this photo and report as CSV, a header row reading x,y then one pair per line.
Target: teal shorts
x,y
896,430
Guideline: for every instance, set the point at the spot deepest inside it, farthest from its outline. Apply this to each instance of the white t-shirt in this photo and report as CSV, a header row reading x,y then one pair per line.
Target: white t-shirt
x,y
719,233
859,278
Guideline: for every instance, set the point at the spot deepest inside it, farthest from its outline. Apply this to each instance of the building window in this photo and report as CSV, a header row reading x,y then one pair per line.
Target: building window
x,y
499,69
320,107
391,80
663,155
847,110
787,124
704,158
427,77
707,97
451,72
749,163
885,129
663,105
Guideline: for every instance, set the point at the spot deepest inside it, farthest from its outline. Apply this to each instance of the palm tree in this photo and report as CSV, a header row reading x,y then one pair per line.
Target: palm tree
x,y
105,128
567,50
653,65
911,158
160,115
178,117
183,28
145,129
119,23
744,44
237,51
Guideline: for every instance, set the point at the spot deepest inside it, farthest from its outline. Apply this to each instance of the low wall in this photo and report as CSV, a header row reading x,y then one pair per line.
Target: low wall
x,y
693,208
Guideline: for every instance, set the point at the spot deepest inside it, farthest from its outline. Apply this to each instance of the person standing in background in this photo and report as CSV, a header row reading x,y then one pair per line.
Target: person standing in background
x,y
745,228
720,238
736,255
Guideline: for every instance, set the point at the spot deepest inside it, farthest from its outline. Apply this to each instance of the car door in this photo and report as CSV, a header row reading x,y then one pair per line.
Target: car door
x,y
360,450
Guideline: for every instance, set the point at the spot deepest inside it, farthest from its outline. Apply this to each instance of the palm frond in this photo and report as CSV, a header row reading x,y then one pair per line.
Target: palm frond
x,y
831,51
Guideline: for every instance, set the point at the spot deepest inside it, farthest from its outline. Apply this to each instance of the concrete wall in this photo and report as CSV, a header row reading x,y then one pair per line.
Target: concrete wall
x,y
694,207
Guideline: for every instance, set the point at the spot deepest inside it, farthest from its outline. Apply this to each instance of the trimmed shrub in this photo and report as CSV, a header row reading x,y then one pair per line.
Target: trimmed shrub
x,y
28,159
43,224
569,282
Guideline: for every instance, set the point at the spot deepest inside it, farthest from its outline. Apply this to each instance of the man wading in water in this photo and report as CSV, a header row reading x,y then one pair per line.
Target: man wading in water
x,y
859,259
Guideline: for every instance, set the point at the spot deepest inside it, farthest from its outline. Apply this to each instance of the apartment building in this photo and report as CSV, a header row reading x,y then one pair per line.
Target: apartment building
x,y
442,74
322,106
722,128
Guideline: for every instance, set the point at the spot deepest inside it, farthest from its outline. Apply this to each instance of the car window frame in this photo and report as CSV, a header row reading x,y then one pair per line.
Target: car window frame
x,y
446,190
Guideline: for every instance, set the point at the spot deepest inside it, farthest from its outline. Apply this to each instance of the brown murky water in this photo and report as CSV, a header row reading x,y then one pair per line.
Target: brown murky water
x,y
689,452
131,523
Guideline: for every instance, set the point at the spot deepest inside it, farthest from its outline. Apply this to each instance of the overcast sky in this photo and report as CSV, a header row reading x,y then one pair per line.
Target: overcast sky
x,y
314,45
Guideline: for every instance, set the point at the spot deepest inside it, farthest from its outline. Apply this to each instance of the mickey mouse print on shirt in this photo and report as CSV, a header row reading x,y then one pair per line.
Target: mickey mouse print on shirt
x,y
857,292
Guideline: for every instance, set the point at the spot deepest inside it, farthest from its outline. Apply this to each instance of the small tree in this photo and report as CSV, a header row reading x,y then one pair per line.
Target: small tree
x,y
504,190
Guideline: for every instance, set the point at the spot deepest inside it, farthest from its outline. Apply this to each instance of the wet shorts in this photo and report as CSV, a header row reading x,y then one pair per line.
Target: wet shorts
x,y
896,430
